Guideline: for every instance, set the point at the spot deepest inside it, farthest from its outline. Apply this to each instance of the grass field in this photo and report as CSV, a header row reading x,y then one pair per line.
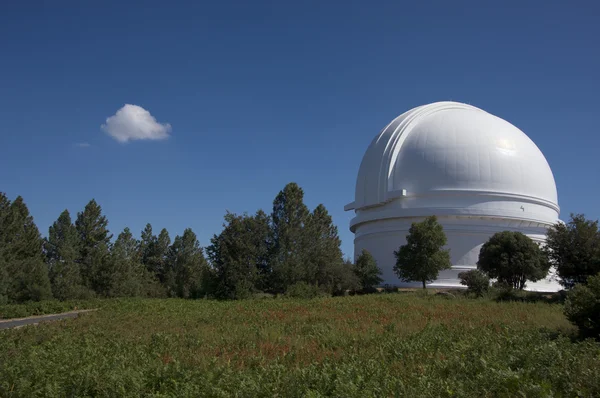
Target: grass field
x,y
401,344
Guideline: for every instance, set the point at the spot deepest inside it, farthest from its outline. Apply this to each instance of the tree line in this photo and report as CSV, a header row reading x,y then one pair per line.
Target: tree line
x,y
291,251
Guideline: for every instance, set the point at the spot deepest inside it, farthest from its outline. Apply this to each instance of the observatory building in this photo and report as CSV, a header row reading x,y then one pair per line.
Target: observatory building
x,y
476,172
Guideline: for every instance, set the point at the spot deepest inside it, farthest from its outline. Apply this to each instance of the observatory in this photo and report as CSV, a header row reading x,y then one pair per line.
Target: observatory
x,y
476,172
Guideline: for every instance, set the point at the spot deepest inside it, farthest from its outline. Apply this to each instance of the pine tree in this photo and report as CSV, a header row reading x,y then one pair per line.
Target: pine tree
x,y
367,271
324,263
62,252
289,218
22,254
147,241
422,258
188,268
239,255
94,246
5,279
126,274
153,251
160,253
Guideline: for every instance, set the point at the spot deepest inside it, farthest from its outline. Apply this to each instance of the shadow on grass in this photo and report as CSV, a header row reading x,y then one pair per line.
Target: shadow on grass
x,y
530,297
573,336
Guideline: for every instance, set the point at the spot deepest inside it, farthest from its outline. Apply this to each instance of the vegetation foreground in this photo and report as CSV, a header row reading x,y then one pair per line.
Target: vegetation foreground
x,y
401,344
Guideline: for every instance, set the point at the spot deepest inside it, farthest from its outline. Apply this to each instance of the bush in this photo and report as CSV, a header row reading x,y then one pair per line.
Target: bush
x,y
367,271
582,307
475,281
262,296
503,292
303,290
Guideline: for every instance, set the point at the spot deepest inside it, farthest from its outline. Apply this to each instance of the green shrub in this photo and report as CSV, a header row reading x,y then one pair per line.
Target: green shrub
x,y
582,307
476,282
503,292
262,296
303,290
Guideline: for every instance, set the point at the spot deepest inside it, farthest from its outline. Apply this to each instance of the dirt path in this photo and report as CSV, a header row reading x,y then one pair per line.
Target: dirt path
x,y
34,320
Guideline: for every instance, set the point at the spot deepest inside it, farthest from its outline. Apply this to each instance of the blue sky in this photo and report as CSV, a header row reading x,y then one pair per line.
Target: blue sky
x,y
259,94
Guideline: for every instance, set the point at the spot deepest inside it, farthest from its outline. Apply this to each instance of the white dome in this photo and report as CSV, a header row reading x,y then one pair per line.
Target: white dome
x,y
449,148
476,172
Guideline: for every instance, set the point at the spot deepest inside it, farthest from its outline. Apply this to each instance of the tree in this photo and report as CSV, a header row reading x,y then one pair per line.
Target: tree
x,y
574,249
582,307
341,279
61,250
153,252
422,258
124,274
146,245
289,218
22,255
4,275
367,271
94,246
239,255
513,259
158,258
476,281
324,263
189,270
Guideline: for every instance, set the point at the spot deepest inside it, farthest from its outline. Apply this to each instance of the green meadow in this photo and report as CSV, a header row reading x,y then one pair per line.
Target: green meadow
x,y
382,345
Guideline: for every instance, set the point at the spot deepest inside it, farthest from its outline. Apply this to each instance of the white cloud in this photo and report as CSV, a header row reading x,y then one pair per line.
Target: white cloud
x,y
83,145
133,122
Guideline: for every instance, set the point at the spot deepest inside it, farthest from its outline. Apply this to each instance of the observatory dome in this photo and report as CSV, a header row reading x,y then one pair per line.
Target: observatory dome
x,y
477,172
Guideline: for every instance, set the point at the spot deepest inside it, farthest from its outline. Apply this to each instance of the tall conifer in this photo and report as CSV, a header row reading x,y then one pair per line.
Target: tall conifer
x,y
188,266
62,252
23,256
239,255
289,218
94,245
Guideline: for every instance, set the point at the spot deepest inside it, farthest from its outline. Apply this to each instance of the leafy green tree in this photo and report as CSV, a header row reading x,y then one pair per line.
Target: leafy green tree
x,y
422,258
367,271
289,218
94,246
513,259
574,249
62,252
341,279
189,269
239,255
476,281
22,254
582,307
